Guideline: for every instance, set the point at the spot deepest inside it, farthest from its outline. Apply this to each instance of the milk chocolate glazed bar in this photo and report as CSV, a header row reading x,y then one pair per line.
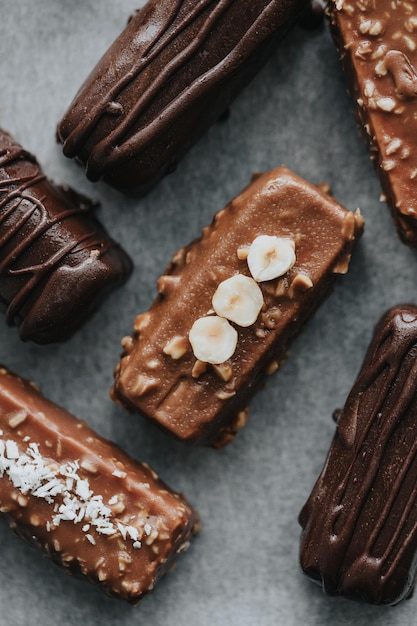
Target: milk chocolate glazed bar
x,y
193,372
170,74
81,500
377,45
359,524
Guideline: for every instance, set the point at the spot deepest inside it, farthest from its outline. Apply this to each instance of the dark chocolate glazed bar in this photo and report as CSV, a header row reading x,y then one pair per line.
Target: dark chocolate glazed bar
x,y
263,266
81,500
359,524
56,260
171,73
377,44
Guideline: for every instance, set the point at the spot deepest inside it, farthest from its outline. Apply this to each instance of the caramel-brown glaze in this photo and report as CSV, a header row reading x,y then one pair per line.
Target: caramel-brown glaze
x,y
377,45
171,74
359,524
138,498
56,260
159,375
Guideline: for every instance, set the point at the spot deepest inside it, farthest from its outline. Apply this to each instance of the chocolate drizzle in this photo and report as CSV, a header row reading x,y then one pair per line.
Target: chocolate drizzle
x,y
360,522
190,53
42,229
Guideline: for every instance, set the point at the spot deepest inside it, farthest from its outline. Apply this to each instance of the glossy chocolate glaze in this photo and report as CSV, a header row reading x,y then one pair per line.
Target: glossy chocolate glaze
x,y
359,524
56,260
151,524
207,405
172,72
376,41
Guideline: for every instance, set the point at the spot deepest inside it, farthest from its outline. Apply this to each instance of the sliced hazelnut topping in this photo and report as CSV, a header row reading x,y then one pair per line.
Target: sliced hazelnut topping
x,y
238,299
270,256
213,339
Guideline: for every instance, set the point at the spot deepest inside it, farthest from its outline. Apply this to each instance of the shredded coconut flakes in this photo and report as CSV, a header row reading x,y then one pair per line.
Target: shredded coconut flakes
x,y
30,474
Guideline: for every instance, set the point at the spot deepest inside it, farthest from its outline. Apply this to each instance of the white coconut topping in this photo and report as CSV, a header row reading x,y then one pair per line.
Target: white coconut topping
x,y
31,473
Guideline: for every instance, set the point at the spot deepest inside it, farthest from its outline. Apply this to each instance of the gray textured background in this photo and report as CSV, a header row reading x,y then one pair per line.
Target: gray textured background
x,y
242,570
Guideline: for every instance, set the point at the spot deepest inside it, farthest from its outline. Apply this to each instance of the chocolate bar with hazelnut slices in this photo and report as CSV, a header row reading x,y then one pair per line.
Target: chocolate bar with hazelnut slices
x,y
377,45
359,535
56,260
166,79
80,499
229,305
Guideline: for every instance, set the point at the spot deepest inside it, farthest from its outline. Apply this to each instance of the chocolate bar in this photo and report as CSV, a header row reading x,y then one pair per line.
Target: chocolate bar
x,y
81,500
230,303
377,44
56,260
171,74
359,524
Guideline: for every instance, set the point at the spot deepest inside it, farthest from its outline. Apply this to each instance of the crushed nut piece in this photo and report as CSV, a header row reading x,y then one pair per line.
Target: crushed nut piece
x,y
176,347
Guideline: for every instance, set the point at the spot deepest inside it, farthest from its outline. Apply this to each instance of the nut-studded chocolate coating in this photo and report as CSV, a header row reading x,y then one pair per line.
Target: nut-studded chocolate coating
x,y
56,260
359,524
83,501
171,73
206,404
377,45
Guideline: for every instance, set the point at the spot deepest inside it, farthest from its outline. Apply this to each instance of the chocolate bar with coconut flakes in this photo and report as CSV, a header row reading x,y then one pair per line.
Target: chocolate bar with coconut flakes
x,y
166,79
229,305
359,535
377,45
57,262
81,500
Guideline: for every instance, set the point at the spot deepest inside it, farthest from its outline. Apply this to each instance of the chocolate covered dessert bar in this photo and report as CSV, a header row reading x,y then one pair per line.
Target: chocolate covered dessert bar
x,y
378,46
81,500
56,260
230,303
359,524
170,74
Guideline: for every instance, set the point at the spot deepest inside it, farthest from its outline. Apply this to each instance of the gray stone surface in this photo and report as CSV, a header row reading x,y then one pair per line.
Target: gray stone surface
x,y
242,570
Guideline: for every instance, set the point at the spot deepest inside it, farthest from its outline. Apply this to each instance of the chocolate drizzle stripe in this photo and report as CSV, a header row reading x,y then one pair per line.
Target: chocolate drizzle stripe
x,y
100,152
393,359
13,192
157,45
104,157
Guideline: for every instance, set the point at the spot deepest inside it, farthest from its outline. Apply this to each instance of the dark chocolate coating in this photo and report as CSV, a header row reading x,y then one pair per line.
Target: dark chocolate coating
x,y
56,260
159,375
359,524
379,55
80,499
171,73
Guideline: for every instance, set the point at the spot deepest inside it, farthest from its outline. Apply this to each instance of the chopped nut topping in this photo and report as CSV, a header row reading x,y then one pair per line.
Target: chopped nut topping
x,y
342,266
301,283
17,419
386,104
242,253
166,283
176,347
141,322
272,367
224,371
144,384
199,369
